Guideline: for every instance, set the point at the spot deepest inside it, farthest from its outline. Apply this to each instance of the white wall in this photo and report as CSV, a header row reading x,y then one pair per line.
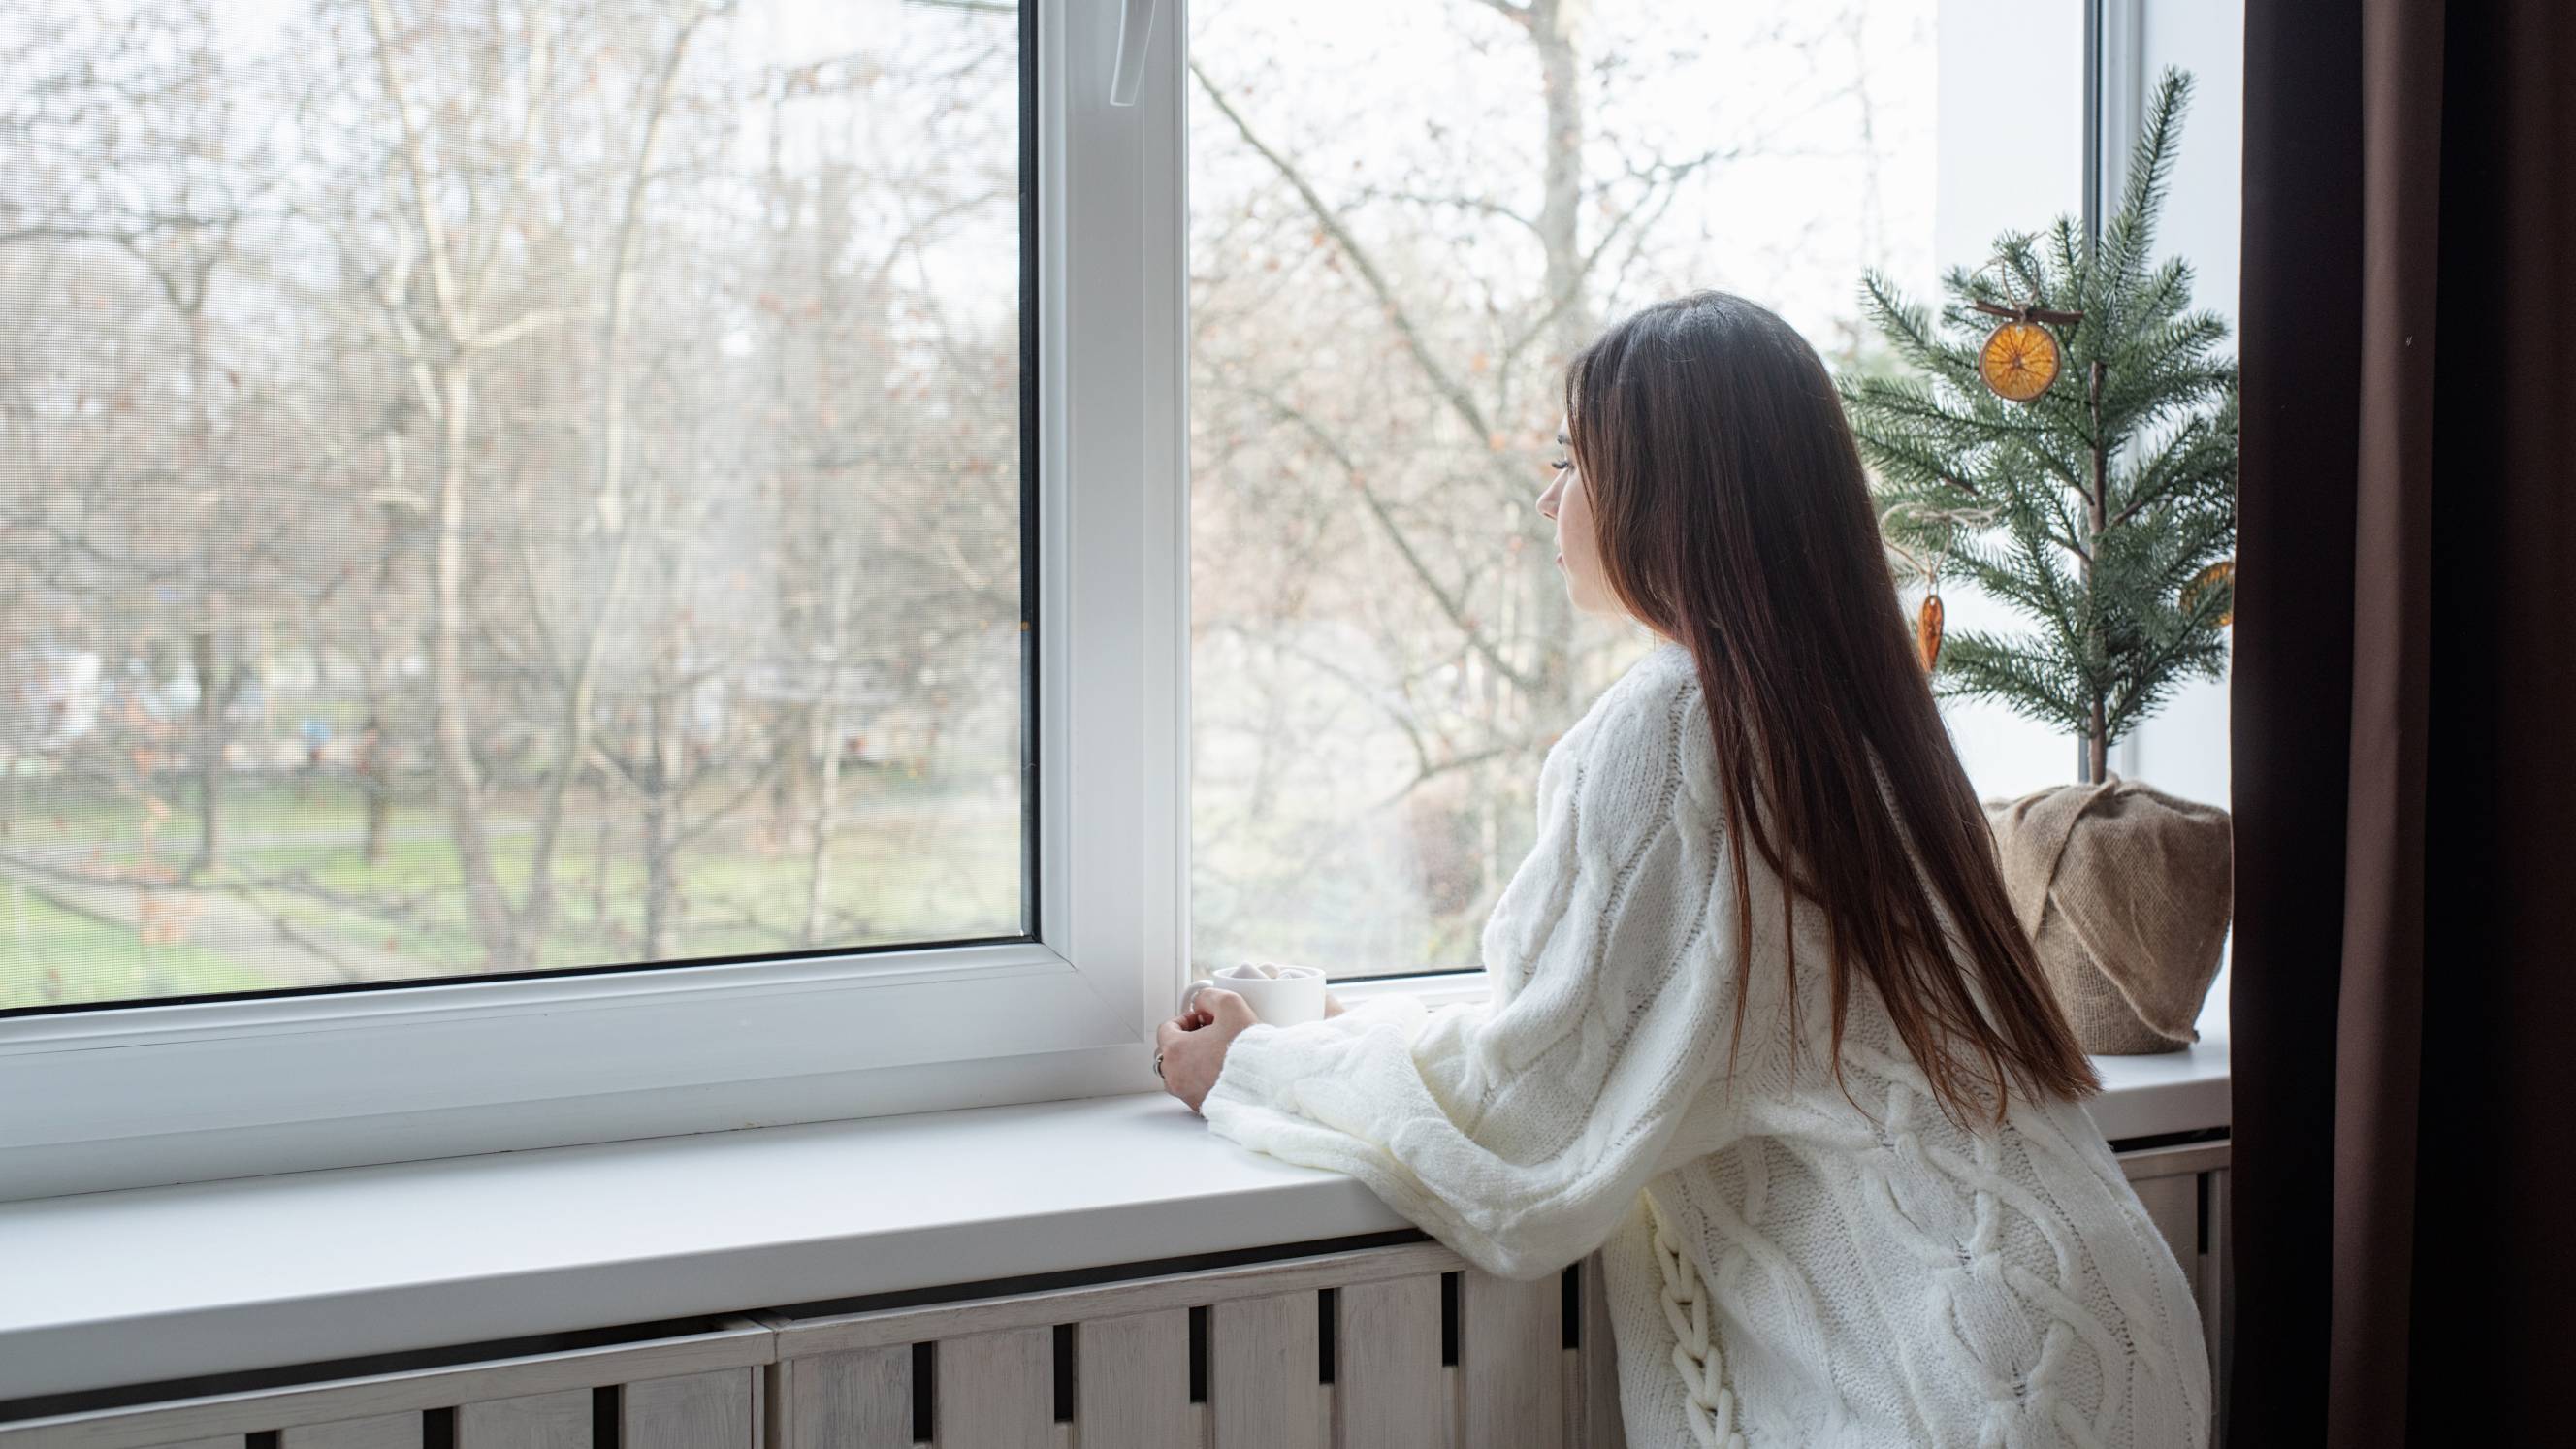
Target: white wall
x,y
1997,175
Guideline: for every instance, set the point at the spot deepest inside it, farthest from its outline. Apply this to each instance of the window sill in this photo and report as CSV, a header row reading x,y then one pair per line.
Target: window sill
x,y
154,1283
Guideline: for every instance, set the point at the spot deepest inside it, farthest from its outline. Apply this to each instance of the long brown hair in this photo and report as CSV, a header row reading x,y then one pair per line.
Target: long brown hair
x,y
1733,516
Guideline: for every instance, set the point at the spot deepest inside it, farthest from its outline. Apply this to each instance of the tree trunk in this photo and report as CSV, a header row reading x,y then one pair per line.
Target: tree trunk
x,y
210,751
1561,206
375,789
1552,32
2097,509
661,826
826,714
459,780
602,838
537,905
667,771
201,644
793,730
827,809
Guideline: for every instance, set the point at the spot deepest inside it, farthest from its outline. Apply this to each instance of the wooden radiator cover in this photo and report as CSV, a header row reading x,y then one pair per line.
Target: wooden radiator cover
x,y
1392,1347
847,1382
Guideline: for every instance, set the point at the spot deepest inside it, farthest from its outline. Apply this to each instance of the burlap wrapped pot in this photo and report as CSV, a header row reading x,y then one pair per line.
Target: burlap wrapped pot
x,y
2126,892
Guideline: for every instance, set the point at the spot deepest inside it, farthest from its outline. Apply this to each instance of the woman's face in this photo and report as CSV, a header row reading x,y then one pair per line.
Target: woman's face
x,y
1566,504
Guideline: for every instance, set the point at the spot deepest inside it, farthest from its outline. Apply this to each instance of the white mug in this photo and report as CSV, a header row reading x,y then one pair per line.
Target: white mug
x,y
1279,995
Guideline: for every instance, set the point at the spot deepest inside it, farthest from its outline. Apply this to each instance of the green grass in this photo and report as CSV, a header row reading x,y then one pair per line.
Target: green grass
x,y
907,863
50,956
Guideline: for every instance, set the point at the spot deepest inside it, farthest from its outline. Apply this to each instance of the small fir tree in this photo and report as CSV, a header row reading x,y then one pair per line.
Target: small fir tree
x,y
2105,507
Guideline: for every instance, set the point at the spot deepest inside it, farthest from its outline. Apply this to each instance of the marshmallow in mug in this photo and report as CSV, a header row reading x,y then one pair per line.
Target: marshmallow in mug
x,y
1279,995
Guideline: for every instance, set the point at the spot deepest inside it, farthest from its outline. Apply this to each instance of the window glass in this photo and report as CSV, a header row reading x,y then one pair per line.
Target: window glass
x,y
499,487
1404,221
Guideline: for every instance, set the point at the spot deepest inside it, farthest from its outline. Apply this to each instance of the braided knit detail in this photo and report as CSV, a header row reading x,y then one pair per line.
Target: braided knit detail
x,y
1710,1404
1892,1277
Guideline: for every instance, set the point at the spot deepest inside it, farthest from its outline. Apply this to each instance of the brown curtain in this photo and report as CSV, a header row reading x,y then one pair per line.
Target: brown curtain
x,y
2403,1212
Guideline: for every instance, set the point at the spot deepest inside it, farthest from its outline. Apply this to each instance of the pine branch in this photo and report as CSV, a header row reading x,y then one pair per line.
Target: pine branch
x,y
2131,232
1908,328
1981,667
2195,454
2198,652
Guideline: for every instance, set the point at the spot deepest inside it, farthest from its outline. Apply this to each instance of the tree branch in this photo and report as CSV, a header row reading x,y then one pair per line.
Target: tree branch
x,y
1482,205
1556,306
1456,396
442,276
1449,603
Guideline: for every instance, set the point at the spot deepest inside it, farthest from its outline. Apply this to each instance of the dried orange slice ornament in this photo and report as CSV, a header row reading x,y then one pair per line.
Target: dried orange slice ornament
x,y
1927,631
2019,360
2220,574
2021,357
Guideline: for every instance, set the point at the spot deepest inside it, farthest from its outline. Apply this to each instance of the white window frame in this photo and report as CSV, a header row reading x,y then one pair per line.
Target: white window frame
x,y
180,1092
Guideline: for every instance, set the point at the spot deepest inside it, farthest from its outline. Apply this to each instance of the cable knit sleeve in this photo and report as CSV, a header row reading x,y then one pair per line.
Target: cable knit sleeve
x,y
1518,1130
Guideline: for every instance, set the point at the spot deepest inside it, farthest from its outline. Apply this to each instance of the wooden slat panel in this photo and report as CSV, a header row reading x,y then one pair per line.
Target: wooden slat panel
x,y
2173,1204
1602,1428
692,1411
1510,1340
228,1416
856,1400
1387,1383
233,1441
1263,1388
997,1390
1131,1381
2170,1182
380,1431
558,1420
799,1337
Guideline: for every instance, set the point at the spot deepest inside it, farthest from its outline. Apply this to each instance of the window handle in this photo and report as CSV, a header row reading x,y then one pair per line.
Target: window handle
x,y
1135,27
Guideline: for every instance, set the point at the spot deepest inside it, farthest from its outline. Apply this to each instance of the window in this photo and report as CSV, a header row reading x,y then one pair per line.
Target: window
x,y
1380,320
552,581
1381,651
798,622
496,489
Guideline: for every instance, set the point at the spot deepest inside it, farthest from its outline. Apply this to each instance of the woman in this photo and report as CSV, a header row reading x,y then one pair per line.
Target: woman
x,y
1761,1024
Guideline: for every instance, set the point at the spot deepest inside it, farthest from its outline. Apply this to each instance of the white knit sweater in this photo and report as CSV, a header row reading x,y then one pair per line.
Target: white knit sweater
x,y
1825,1273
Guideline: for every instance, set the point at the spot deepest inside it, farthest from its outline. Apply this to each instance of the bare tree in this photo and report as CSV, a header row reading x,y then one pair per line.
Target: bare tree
x,y
448,328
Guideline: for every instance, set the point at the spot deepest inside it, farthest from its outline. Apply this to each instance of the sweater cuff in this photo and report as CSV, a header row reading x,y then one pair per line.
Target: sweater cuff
x,y
1265,1062
1261,1068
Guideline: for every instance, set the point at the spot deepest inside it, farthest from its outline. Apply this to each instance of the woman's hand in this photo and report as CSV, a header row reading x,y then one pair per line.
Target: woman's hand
x,y
1194,1043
